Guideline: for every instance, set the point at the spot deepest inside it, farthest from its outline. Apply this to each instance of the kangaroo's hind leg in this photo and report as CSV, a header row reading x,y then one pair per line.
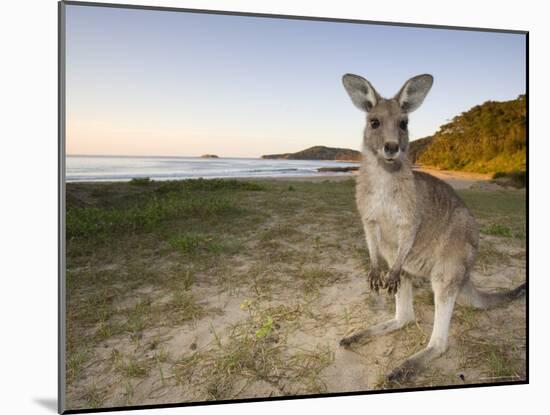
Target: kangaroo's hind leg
x,y
445,294
404,313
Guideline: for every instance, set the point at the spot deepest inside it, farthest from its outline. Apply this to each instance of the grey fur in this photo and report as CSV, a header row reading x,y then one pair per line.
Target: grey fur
x,y
415,224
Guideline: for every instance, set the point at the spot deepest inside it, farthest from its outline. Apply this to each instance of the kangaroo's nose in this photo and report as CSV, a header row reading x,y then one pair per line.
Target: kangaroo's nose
x,y
391,148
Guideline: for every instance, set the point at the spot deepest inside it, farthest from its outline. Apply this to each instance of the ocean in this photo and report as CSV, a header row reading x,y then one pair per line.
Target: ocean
x,y
124,168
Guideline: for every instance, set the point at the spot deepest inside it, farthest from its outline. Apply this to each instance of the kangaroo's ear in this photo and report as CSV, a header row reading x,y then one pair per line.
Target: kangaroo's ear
x,y
412,94
361,92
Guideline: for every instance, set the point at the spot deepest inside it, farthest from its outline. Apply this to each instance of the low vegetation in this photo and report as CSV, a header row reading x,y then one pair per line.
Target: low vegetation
x,y
197,290
140,181
107,209
517,179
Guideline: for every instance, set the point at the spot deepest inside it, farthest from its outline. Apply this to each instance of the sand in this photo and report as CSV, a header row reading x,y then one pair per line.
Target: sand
x,y
457,179
210,358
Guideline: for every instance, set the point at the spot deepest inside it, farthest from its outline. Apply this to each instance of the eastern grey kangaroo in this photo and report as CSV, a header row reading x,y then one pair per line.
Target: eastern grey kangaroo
x,y
415,224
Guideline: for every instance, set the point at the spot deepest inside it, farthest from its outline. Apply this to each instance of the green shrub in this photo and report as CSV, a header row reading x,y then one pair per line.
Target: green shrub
x,y
515,178
141,181
209,185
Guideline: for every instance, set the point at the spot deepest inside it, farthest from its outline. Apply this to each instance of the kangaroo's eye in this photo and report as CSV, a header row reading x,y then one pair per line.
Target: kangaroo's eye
x,y
403,124
375,123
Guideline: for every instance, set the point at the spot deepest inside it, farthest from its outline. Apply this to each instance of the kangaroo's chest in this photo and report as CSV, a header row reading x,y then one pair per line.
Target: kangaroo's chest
x,y
388,206
383,207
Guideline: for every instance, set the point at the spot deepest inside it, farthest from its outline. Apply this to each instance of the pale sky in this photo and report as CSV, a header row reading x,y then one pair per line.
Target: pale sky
x,y
142,82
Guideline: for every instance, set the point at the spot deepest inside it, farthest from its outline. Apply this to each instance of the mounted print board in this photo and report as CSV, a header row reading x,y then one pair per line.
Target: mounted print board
x,y
258,207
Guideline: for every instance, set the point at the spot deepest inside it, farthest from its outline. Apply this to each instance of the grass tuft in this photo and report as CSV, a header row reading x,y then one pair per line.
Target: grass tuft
x,y
192,243
133,368
75,362
496,358
314,278
496,229
182,307
94,396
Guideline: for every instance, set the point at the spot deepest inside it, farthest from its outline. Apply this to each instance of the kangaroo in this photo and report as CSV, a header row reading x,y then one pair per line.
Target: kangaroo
x,y
415,224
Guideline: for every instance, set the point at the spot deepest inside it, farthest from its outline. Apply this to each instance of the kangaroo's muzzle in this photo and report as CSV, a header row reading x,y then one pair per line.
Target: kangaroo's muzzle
x,y
391,151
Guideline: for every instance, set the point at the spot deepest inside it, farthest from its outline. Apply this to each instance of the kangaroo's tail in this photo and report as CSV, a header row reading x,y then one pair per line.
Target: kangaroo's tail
x,y
471,296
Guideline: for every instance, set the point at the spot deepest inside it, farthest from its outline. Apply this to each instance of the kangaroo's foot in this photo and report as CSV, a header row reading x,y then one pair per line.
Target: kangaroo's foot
x,y
376,330
392,281
374,279
414,364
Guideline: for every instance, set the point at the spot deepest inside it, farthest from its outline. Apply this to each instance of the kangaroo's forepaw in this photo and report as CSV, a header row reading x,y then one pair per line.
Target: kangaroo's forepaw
x,y
393,279
374,279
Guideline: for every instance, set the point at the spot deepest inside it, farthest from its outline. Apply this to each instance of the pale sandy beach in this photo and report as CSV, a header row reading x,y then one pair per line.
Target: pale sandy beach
x,y
457,179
